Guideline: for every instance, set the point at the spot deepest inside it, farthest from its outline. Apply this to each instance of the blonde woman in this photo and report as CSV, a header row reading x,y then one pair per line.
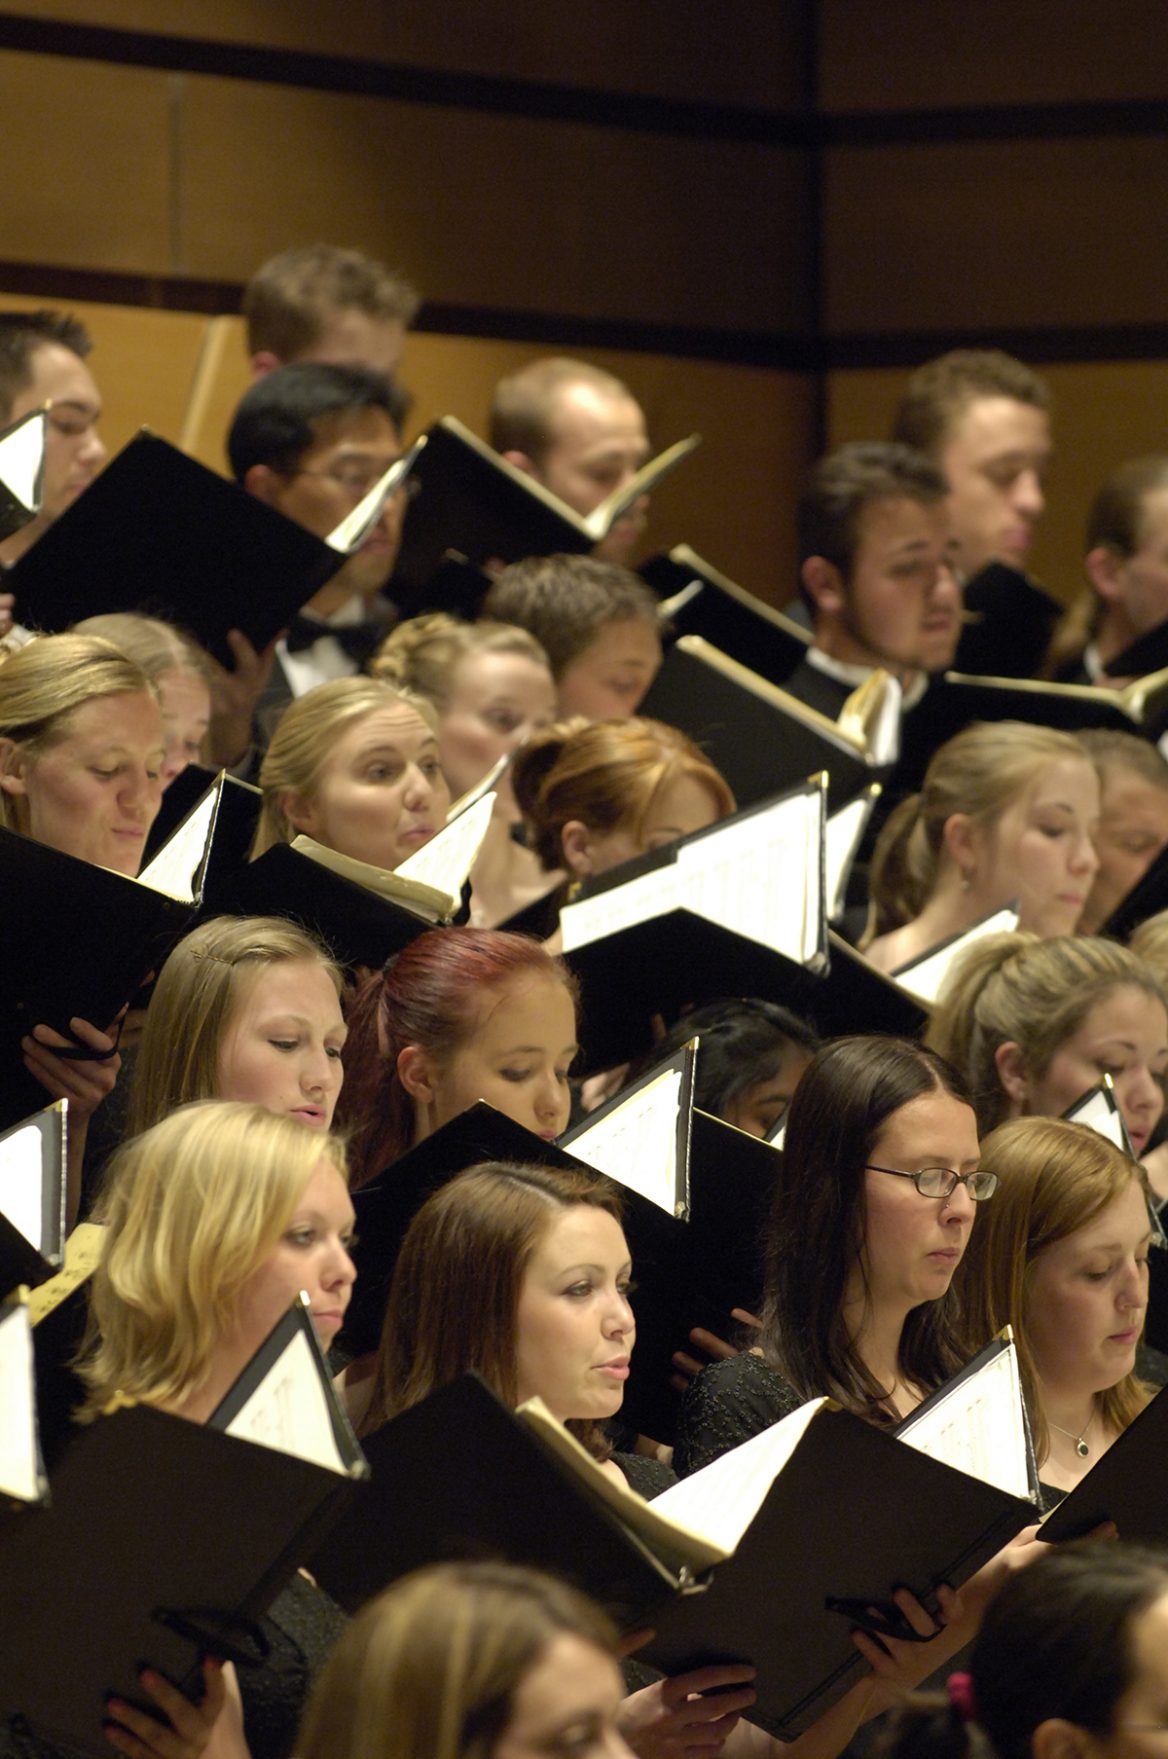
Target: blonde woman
x,y
354,764
217,1218
470,1661
1061,1255
81,752
1006,815
180,672
245,1008
1032,1025
491,686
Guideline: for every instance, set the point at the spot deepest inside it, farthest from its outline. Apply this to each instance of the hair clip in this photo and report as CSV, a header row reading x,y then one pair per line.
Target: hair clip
x,y
960,1689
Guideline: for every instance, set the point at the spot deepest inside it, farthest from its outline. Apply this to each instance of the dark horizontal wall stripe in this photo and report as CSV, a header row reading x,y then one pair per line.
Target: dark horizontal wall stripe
x,y
991,123
1038,346
415,85
54,283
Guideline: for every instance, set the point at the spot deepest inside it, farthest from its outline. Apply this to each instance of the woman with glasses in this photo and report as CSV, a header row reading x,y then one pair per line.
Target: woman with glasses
x,y
1062,1256
872,1212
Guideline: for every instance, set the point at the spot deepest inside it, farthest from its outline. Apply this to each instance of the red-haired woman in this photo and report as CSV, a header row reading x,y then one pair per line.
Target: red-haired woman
x,y
460,1015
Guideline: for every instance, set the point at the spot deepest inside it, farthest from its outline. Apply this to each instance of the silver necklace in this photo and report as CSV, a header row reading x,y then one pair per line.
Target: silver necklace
x,y
1080,1441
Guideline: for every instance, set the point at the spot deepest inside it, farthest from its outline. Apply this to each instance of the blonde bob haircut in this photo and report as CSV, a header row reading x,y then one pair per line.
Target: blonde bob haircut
x,y
430,1669
1053,1178
198,993
981,773
1016,988
605,774
193,1207
304,740
423,654
41,686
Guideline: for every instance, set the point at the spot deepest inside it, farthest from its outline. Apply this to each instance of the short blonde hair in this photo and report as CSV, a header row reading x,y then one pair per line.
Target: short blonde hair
x,y
423,654
981,772
41,686
198,992
304,739
1053,1178
429,1670
193,1207
156,646
1015,988
604,773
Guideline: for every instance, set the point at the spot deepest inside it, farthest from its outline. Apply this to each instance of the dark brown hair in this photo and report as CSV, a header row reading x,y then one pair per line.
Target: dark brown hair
x,y
943,389
565,600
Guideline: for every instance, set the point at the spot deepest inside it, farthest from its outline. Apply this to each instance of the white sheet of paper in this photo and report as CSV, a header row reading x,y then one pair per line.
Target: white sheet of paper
x,y
289,1410
21,454
173,870
842,835
979,1427
636,1144
22,1177
723,1498
19,1476
926,978
446,860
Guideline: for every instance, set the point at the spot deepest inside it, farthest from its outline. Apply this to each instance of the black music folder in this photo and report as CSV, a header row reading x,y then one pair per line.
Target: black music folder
x,y
699,600
58,1310
470,499
759,737
158,532
525,1492
1148,653
1009,621
360,926
851,1512
168,1539
1125,1485
75,940
32,1198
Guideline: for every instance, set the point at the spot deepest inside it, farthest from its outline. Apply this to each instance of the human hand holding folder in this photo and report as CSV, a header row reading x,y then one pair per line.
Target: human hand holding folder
x,y
211,1729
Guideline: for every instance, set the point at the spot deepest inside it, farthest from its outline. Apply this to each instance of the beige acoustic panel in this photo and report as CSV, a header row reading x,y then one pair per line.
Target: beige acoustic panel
x,y
87,164
143,361
1104,412
748,52
496,212
919,55
1018,234
734,502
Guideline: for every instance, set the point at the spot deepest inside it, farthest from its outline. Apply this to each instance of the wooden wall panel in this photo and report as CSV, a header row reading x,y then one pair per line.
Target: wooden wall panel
x,y
1104,412
494,211
882,55
952,236
87,173
749,53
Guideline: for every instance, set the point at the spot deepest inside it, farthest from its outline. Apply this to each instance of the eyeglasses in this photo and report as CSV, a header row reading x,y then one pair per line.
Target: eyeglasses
x,y
356,480
943,1181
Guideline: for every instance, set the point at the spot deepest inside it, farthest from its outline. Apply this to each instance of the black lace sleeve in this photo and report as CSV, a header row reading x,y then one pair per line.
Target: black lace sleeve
x,y
727,1404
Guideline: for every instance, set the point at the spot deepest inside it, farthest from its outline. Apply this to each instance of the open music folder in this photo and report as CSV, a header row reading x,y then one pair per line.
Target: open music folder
x,y
32,1197
23,1484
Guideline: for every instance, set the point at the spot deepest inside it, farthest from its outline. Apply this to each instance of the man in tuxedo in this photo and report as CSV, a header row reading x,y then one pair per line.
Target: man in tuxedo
x,y
877,574
984,418
581,433
43,358
311,440
322,303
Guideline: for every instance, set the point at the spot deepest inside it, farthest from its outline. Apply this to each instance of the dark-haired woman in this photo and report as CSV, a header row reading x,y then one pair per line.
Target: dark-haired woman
x,y
872,1212
1071,1663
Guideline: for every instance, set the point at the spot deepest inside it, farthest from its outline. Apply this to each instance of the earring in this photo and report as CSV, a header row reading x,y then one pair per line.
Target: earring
x,y
966,879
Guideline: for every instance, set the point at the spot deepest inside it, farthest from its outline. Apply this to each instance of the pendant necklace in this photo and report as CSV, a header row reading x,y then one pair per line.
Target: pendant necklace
x,y
1080,1441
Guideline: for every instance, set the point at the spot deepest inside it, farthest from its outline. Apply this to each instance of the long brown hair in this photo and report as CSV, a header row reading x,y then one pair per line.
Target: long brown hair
x,y
1053,1178
815,1239
454,1302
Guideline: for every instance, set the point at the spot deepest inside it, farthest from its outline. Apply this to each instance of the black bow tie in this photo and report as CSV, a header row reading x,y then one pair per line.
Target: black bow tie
x,y
358,640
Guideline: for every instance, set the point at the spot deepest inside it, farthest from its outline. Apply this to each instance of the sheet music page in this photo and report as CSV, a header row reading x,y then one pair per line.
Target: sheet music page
x,y
289,1410
884,736
446,860
979,1427
19,1453
21,456
842,834
723,1498
22,1176
1093,1109
351,533
176,865
636,1143
757,874
926,976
